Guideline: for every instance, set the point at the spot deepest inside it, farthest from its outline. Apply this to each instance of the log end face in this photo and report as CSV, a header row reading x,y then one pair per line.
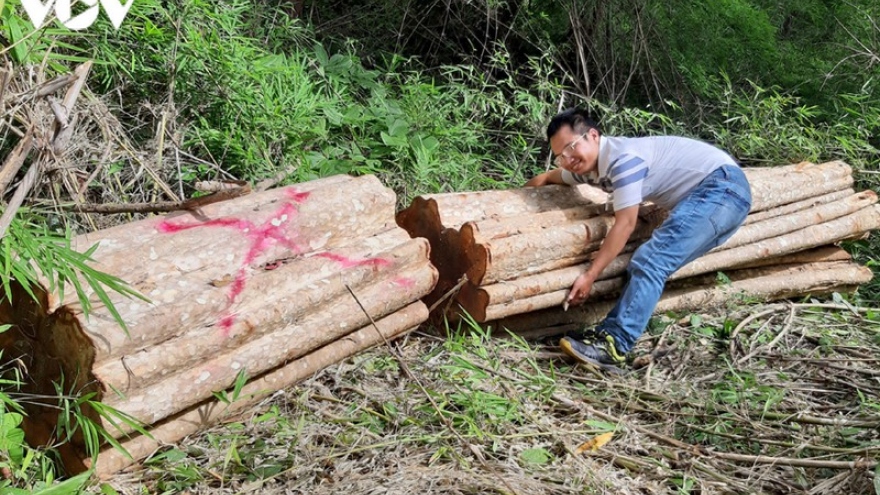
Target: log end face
x,y
473,300
52,349
477,258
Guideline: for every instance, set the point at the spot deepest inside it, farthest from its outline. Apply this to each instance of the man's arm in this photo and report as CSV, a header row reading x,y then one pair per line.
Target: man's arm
x,y
624,223
552,177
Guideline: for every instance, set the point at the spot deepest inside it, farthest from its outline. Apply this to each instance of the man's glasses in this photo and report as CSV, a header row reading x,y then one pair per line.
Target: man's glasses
x,y
563,158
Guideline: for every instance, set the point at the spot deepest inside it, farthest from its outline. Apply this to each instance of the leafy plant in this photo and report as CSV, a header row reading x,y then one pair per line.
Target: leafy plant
x,y
30,251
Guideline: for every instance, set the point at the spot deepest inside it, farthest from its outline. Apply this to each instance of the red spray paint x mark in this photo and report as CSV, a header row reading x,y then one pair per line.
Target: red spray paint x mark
x,y
262,237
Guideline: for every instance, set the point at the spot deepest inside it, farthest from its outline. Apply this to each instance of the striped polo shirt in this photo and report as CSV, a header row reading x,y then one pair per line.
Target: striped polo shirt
x,y
660,169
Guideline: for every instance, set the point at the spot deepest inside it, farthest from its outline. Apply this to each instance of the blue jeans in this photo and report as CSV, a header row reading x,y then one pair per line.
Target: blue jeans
x,y
703,219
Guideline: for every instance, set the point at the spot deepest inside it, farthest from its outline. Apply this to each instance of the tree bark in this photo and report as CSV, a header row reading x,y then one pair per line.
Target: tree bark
x,y
429,214
796,183
815,255
798,206
284,294
771,187
797,280
779,225
477,232
544,250
191,420
336,319
550,289
171,259
247,284
501,246
854,224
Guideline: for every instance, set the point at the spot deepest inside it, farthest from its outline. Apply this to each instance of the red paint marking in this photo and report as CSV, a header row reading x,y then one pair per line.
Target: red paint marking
x,y
167,227
405,282
296,196
226,324
262,237
346,262
237,286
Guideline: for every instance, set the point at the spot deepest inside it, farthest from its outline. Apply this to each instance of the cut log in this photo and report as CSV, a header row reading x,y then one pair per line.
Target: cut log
x,y
477,300
799,183
429,214
540,251
798,280
523,255
448,258
476,232
307,284
854,224
244,285
772,186
166,258
551,289
546,300
770,284
815,255
509,247
798,206
324,325
779,225
188,422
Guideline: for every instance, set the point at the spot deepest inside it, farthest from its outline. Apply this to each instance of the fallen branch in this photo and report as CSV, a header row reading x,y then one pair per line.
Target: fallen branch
x,y
160,207
24,188
16,159
793,462
773,342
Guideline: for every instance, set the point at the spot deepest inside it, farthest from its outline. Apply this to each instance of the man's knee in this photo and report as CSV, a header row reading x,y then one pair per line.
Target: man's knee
x,y
647,266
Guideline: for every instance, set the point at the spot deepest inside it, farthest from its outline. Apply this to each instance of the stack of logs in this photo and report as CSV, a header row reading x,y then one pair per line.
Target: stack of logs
x,y
522,249
271,287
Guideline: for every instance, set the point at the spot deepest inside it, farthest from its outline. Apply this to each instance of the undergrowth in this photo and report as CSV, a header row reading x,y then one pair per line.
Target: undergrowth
x,y
765,399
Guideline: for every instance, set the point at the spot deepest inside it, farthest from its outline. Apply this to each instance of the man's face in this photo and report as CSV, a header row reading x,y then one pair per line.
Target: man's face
x,y
577,153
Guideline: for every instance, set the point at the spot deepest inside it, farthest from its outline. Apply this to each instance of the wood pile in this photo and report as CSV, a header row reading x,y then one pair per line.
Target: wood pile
x,y
520,250
273,287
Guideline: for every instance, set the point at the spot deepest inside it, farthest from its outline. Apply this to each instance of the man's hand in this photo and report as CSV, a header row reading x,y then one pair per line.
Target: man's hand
x,y
581,288
552,177
624,223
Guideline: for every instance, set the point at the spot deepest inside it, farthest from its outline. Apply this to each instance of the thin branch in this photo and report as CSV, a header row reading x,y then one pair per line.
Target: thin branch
x,y
794,462
24,188
408,372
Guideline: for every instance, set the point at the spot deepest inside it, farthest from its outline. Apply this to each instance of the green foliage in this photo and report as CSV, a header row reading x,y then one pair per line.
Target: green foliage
x,y
739,40
25,44
770,127
29,470
30,250
293,103
257,92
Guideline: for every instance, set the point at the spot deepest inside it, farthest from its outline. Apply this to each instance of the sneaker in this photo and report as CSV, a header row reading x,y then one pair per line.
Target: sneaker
x,y
598,349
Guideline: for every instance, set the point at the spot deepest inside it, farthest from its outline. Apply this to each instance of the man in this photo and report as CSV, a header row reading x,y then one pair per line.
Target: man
x,y
705,191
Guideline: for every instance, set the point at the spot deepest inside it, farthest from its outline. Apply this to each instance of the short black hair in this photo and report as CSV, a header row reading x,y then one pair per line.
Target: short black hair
x,y
578,119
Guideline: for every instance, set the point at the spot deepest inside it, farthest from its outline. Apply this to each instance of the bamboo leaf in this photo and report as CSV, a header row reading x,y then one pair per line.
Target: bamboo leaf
x,y
70,486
